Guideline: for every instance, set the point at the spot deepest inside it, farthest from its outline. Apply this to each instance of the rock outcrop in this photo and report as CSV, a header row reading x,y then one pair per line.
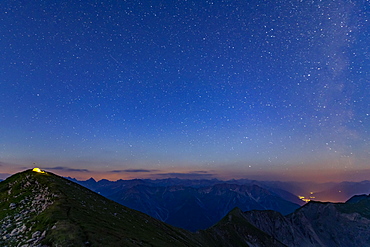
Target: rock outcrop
x,y
26,200
318,224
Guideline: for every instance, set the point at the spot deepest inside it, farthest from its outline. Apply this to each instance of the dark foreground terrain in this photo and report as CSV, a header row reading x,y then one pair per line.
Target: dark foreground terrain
x,y
43,209
193,204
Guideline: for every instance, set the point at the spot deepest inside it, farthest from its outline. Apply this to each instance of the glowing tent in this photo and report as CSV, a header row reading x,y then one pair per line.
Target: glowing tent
x,y
38,170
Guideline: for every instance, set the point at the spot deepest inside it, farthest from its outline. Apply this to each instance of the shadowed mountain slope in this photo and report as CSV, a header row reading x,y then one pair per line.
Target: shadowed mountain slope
x,y
42,208
235,230
192,205
319,224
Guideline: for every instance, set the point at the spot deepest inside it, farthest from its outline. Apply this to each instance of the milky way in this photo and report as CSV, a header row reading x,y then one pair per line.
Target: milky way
x,y
206,88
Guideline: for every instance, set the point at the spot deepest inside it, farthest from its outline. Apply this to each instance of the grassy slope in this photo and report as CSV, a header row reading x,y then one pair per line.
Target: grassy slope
x,y
76,216
80,217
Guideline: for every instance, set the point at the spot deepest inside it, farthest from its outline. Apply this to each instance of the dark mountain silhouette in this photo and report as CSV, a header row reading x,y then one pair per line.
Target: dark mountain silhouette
x,y
43,209
318,224
192,204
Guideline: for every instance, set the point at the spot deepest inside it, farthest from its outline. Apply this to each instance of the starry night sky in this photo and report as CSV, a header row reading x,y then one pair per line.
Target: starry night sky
x,y
193,89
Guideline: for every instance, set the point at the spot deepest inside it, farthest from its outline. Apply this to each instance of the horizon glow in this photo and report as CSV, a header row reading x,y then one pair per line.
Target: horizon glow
x,y
224,89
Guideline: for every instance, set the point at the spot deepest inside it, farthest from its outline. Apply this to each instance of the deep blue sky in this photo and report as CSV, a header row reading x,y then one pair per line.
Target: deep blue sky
x,y
254,89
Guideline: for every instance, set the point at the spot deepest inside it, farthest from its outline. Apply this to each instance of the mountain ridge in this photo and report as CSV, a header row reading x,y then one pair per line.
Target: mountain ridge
x,y
318,224
43,209
67,214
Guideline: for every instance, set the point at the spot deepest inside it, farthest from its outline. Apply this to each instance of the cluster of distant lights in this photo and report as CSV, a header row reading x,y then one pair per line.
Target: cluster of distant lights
x,y
303,198
307,199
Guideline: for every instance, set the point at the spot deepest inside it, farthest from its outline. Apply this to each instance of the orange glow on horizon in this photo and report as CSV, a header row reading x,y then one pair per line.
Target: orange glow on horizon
x,y
223,173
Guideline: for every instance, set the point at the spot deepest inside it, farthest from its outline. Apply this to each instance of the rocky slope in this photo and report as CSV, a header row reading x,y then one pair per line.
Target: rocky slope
x,y
318,224
42,209
31,199
235,230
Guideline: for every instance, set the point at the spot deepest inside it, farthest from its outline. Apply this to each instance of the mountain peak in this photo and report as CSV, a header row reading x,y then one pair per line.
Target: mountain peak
x,y
357,198
45,209
235,230
91,180
39,208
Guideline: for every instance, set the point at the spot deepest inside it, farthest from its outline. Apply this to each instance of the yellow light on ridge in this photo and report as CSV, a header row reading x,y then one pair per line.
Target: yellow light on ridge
x,y
38,170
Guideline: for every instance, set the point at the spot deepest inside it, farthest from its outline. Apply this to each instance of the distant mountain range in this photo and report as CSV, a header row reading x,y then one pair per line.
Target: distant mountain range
x,y
193,204
43,209
172,200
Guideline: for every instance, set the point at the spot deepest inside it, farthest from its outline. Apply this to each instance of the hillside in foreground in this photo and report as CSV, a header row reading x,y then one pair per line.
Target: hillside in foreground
x,y
43,209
